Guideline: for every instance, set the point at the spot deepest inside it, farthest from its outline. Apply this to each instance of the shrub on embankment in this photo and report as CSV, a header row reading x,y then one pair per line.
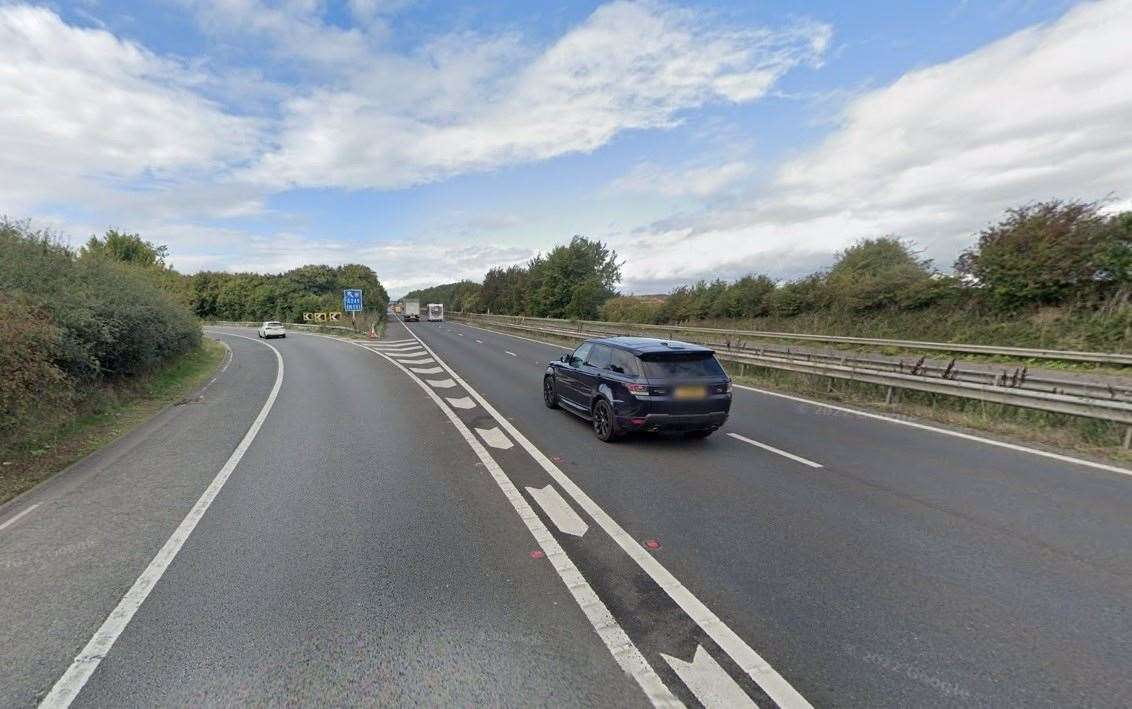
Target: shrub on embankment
x,y
72,322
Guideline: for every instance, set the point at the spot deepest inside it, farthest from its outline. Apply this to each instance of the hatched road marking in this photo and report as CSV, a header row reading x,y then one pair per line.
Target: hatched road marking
x,y
441,383
462,402
750,662
427,370
495,438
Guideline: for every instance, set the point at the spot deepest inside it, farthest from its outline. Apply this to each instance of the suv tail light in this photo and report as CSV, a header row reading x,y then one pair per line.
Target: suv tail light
x,y
641,391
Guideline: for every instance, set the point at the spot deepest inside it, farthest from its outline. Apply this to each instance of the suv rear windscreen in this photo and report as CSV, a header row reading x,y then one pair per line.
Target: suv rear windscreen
x,y
677,366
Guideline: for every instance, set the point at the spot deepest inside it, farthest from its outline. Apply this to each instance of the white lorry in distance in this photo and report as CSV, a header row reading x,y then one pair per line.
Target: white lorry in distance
x,y
436,312
412,311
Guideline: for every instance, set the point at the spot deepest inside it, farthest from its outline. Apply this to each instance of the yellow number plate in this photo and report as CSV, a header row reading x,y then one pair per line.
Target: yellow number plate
x,y
689,392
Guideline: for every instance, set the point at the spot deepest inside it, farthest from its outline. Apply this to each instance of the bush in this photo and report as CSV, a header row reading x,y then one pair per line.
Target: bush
x,y
111,317
33,386
1050,253
877,273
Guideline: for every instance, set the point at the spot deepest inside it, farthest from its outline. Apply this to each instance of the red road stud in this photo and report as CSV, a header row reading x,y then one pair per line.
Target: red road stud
x,y
653,544
536,554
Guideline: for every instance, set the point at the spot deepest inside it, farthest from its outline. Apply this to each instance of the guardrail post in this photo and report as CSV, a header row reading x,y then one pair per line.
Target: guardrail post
x,y
888,396
1127,437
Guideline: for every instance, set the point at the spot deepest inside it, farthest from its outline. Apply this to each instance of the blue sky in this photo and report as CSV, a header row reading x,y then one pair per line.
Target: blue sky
x,y
432,140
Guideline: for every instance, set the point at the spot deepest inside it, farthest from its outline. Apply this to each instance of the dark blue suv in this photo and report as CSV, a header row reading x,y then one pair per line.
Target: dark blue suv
x,y
625,384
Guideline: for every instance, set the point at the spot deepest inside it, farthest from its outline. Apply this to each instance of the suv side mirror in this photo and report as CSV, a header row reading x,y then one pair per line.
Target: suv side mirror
x,y
565,359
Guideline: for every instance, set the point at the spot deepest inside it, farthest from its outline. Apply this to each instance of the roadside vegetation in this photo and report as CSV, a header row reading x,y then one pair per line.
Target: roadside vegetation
x,y
77,329
285,297
1051,274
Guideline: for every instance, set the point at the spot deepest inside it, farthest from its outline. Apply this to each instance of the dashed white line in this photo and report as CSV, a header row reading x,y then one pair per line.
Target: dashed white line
x,y
71,683
772,449
16,518
510,353
750,661
479,342
495,438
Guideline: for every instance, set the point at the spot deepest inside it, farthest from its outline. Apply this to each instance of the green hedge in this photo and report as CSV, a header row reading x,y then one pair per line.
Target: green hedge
x,y
70,322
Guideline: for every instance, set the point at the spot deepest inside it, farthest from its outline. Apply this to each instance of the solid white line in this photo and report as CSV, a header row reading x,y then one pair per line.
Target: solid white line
x,y
17,517
510,353
881,417
757,668
71,683
772,449
944,431
495,438
624,652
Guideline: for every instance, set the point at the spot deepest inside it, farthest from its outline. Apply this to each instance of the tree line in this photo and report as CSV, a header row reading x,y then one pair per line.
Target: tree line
x,y
1045,253
215,295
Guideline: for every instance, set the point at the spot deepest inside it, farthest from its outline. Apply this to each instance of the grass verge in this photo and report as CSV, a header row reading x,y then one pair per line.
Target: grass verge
x,y
107,414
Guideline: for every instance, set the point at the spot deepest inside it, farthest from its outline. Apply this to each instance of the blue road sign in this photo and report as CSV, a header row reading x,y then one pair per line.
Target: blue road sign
x,y
352,300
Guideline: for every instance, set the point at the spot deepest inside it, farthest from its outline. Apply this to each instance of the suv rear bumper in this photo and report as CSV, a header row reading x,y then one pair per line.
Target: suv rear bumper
x,y
673,422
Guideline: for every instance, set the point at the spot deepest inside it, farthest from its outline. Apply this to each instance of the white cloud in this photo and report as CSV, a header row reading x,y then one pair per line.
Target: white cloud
x,y
1046,112
700,181
82,112
469,104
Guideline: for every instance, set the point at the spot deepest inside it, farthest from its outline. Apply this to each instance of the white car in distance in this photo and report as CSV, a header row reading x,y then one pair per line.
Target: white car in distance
x,y
270,329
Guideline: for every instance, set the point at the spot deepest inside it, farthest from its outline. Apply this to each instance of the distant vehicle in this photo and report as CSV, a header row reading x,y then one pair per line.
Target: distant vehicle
x,y
398,308
411,311
436,312
623,384
271,329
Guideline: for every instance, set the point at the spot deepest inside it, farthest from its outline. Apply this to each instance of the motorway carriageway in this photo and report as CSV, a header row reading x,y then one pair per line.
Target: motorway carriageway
x,y
404,522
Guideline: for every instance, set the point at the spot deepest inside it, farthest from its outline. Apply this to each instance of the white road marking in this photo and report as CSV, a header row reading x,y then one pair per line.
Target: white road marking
x,y
510,353
460,334
559,511
427,370
624,652
944,431
394,348
441,383
882,417
16,518
709,682
757,668
772,449
423,360
479,342
402,354
461,402
71,683
493,436
520,337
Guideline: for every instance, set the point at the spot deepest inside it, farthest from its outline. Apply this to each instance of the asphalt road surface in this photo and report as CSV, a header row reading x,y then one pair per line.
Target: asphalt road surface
x,y
403,522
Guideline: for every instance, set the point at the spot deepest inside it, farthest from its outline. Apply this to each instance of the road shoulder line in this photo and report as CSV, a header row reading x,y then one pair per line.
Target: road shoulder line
x,y
67,687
